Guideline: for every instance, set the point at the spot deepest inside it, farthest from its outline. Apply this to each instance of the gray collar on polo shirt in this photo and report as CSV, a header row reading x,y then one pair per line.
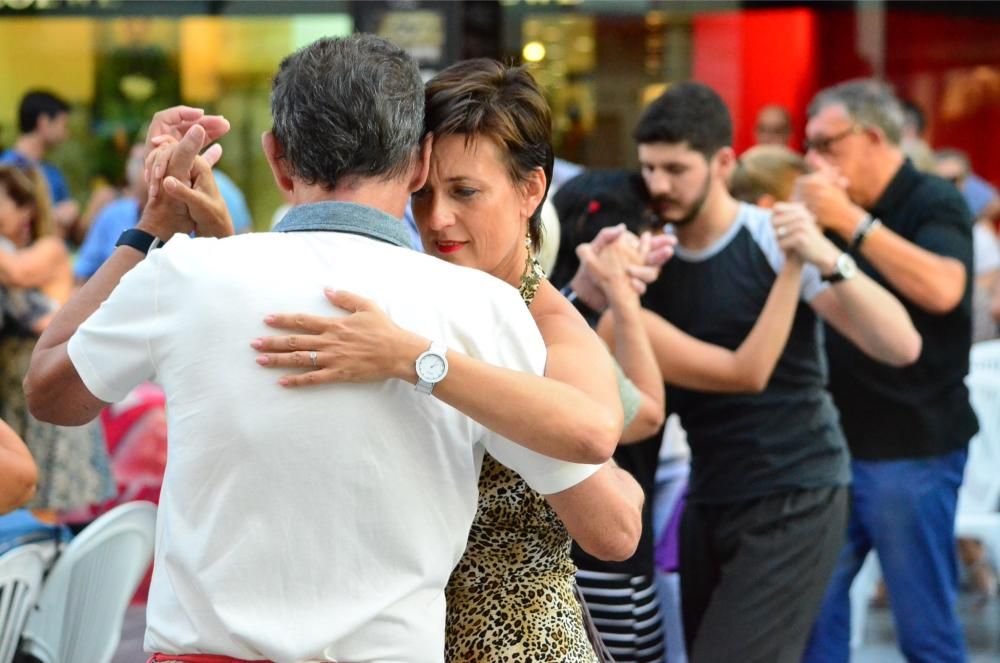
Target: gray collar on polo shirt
x,y
341,217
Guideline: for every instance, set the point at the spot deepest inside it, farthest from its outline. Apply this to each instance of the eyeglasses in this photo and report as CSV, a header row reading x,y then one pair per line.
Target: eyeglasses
x,y
823,145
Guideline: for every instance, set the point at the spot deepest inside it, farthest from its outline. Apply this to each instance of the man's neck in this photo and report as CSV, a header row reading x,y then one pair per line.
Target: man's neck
x,y
386,196
30,146
716,218
879,176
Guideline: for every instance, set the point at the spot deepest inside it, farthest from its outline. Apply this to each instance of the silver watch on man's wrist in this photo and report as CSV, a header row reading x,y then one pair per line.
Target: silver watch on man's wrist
x,y
432,367
845,268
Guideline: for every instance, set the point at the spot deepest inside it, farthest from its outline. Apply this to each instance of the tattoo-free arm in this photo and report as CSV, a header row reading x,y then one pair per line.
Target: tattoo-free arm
x,y
694,364
18,473
34,266
871,318
603,513
933,282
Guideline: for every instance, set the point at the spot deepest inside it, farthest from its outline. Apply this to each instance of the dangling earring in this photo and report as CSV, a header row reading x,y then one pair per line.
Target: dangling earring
x,y
532,276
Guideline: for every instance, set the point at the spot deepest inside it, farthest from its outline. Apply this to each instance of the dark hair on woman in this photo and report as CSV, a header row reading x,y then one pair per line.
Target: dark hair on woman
x,y
687,112
483,97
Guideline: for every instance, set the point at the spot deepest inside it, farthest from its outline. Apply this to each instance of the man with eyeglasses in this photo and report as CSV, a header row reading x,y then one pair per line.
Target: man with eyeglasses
x,y
907,427
767,498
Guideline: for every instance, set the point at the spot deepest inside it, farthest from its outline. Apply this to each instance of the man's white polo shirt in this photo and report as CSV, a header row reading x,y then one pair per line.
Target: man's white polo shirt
x,y
319,523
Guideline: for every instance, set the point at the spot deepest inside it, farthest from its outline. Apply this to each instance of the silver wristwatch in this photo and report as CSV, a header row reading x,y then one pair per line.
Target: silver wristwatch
x,y
432,366
845,268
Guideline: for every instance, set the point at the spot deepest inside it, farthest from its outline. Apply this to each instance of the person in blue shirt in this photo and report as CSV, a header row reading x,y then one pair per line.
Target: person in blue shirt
x,y
43,122
116,217
235,202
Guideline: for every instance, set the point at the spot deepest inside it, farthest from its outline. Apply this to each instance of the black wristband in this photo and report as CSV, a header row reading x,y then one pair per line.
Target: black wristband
x,y
140,240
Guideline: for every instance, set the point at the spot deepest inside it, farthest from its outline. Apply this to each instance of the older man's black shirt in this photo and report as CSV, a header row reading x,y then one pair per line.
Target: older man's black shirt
x,y
921,410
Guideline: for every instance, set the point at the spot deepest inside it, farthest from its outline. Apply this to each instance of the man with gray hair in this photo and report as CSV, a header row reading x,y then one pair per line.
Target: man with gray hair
x,y
298,526
908,427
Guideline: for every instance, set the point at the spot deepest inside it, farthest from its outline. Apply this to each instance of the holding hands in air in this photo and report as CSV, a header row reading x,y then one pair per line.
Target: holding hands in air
x,y
650,253
801,238
824,192
183,196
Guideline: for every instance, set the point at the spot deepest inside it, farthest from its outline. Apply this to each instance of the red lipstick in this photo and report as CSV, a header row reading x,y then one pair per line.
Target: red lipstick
x,y
448,247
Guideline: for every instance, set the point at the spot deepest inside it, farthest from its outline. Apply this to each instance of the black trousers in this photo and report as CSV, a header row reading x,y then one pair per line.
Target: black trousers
x,y
754,573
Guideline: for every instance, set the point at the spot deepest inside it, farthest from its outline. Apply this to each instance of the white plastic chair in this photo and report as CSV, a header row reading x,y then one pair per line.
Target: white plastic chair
x,y
861,594
83,601
978,515
21,572
984,359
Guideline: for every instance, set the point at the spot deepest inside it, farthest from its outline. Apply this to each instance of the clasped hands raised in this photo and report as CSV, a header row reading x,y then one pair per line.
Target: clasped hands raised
x,y
183,196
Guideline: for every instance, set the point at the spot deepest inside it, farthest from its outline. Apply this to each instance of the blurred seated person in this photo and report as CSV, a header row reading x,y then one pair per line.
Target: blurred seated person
x,y
774,125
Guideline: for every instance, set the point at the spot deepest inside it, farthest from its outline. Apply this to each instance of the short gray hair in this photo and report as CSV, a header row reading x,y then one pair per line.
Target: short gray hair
x,y
869,102
351,106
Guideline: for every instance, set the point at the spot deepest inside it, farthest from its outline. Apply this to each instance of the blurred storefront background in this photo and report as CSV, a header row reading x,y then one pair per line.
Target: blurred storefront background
x,y
599,61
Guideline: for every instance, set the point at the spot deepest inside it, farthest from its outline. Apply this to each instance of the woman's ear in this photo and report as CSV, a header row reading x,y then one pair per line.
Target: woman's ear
x,y
533,191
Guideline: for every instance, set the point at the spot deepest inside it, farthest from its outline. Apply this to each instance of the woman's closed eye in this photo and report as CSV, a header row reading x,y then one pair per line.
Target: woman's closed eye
x,y
465,192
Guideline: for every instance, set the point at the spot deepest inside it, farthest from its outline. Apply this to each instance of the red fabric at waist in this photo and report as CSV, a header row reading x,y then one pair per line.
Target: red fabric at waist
x,y
197,658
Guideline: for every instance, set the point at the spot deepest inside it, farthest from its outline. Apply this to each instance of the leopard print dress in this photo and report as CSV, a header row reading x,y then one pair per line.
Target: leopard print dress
x,y
511,596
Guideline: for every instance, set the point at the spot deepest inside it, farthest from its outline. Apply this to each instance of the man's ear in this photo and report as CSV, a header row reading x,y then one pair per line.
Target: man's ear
x,y
274,154
724,162
422,164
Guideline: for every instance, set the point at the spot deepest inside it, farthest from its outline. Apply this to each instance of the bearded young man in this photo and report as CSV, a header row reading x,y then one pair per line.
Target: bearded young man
x,y
767,502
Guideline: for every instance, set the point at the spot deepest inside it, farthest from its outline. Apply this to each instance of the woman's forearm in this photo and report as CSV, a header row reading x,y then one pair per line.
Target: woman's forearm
x,y
35,266
543,414
635,355
759,352
694,364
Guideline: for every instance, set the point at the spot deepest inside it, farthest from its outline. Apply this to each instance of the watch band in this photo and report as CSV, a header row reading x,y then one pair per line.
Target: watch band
x,y
836,277
140,240
867,224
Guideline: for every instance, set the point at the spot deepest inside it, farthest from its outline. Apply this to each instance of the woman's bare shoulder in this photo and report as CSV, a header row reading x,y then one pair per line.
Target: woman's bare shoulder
x,y
557,318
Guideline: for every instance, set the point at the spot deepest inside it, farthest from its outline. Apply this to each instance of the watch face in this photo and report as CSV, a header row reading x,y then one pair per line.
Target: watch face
x,y
846,266
431,367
